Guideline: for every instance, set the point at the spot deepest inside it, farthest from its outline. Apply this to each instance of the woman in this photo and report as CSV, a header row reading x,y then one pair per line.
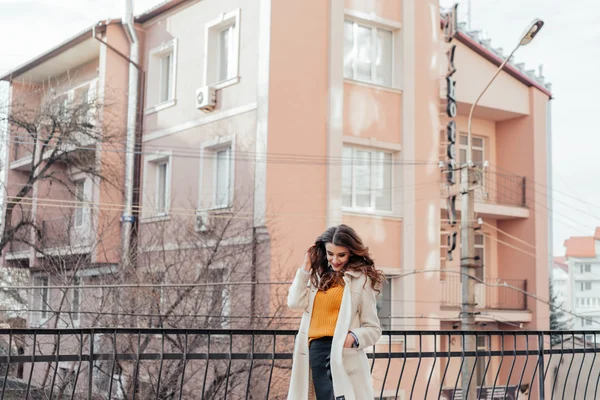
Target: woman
x,y
336,288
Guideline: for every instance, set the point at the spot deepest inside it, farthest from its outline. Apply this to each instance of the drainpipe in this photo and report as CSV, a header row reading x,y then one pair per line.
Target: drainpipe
x,y
127,218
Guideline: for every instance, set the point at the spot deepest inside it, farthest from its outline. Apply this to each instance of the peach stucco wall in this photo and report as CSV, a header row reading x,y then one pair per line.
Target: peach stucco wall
x,y
391,10
372,113
295,194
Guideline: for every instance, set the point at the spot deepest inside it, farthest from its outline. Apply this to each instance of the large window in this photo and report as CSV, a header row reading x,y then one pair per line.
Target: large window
x,y
222,49
367,179
216,176
368,53
78,217
162,76
41,301
157,186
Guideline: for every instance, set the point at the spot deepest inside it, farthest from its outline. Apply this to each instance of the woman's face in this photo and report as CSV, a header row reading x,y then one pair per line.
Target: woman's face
x,y
337,256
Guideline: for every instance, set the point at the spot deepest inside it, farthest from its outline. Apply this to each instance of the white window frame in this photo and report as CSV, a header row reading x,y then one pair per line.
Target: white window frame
x,y
208,152
584,286
390,283
370,210
80,206
37,317
212,35
80,229
156,72
149,209
370,20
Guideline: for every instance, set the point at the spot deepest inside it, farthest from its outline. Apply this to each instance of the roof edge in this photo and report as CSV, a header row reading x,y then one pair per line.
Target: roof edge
x,y
53,52
158,10
477,47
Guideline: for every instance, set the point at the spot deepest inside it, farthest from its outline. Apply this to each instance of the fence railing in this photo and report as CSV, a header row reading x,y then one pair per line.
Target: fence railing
x,y
242,364
487,295
496,188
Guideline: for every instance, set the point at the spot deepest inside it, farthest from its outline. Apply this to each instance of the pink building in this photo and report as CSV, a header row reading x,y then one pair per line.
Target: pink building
x,y
281,128
344,119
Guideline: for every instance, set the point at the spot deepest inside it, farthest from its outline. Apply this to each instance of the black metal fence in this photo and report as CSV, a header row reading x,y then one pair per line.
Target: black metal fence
x,y
256,364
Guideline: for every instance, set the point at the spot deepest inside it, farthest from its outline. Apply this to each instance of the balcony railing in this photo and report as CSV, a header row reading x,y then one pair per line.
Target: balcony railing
x,y
487,297
495,188
241,364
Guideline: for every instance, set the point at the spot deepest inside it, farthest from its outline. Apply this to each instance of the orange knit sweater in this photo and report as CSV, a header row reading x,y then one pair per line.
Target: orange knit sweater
x,y
325,312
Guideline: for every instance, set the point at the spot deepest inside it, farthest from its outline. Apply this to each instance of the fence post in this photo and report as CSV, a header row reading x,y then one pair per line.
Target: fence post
x,y
541,375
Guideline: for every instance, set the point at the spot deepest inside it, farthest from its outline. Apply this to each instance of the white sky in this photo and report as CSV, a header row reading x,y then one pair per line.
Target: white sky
x,y
568,47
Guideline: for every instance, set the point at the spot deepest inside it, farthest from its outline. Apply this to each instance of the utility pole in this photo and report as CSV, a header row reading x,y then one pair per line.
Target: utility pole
x,y
467,234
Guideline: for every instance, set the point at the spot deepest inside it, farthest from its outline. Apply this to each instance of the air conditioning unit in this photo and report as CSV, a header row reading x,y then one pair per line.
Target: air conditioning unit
x,y
203,222
206,98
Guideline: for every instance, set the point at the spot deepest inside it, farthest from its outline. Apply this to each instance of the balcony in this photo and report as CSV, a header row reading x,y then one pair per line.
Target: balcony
x,y
499,195
64,232
487,297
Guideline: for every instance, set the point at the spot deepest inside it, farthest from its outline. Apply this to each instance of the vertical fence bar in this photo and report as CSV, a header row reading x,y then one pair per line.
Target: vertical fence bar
x,y
206,369
542,378
162,357
7,364
403,366
32,365
587,382
514,361
251,366
445,369
112,364
387,369
501,361
418,365
91,366
55,364
570,365
136,373
526,361
562,346
524,192
272,364
185,349
581,366
228,365
433,366
78,364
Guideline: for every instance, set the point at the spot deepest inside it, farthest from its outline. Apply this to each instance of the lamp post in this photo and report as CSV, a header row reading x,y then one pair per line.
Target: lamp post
x,y
467,232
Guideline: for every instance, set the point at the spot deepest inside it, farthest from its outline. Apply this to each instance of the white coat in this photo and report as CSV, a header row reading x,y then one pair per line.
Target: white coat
x,y
350,370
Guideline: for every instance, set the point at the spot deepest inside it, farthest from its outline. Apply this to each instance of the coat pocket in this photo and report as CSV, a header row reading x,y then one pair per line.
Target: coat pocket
x,y
350,360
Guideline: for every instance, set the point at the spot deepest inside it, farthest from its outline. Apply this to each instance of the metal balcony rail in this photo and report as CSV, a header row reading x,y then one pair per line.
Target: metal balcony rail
x,y
242,364
496,188
487,297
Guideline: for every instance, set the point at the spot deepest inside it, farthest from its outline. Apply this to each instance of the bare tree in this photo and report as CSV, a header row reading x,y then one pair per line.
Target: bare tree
x,y
53,135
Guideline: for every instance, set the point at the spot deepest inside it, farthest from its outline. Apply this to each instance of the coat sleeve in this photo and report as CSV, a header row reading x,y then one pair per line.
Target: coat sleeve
x,y
298,293
370,329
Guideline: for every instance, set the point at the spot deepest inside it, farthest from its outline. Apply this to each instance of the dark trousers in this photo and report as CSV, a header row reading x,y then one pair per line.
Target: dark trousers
x,y
319,354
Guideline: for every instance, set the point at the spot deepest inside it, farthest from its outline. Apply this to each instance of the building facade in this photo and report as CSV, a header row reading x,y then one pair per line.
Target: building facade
x,y
583,260
260,130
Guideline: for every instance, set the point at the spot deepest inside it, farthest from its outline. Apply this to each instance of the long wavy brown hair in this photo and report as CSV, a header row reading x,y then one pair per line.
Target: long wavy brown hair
x,y
360,260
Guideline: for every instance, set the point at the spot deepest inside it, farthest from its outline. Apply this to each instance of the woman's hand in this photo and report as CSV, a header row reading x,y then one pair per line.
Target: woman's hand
x,y
306,265
349,341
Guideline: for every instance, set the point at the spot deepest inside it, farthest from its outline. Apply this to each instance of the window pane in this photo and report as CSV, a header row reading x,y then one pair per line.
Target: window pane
x,y
383,60
161,189
384,305
165,77
79,197
224,48
362,171
222,183
464,140
349,51
477,142
347,177
382,166
364,53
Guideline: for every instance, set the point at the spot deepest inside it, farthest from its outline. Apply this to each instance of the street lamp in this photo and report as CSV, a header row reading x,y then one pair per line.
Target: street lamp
x,y
528,36
467,231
